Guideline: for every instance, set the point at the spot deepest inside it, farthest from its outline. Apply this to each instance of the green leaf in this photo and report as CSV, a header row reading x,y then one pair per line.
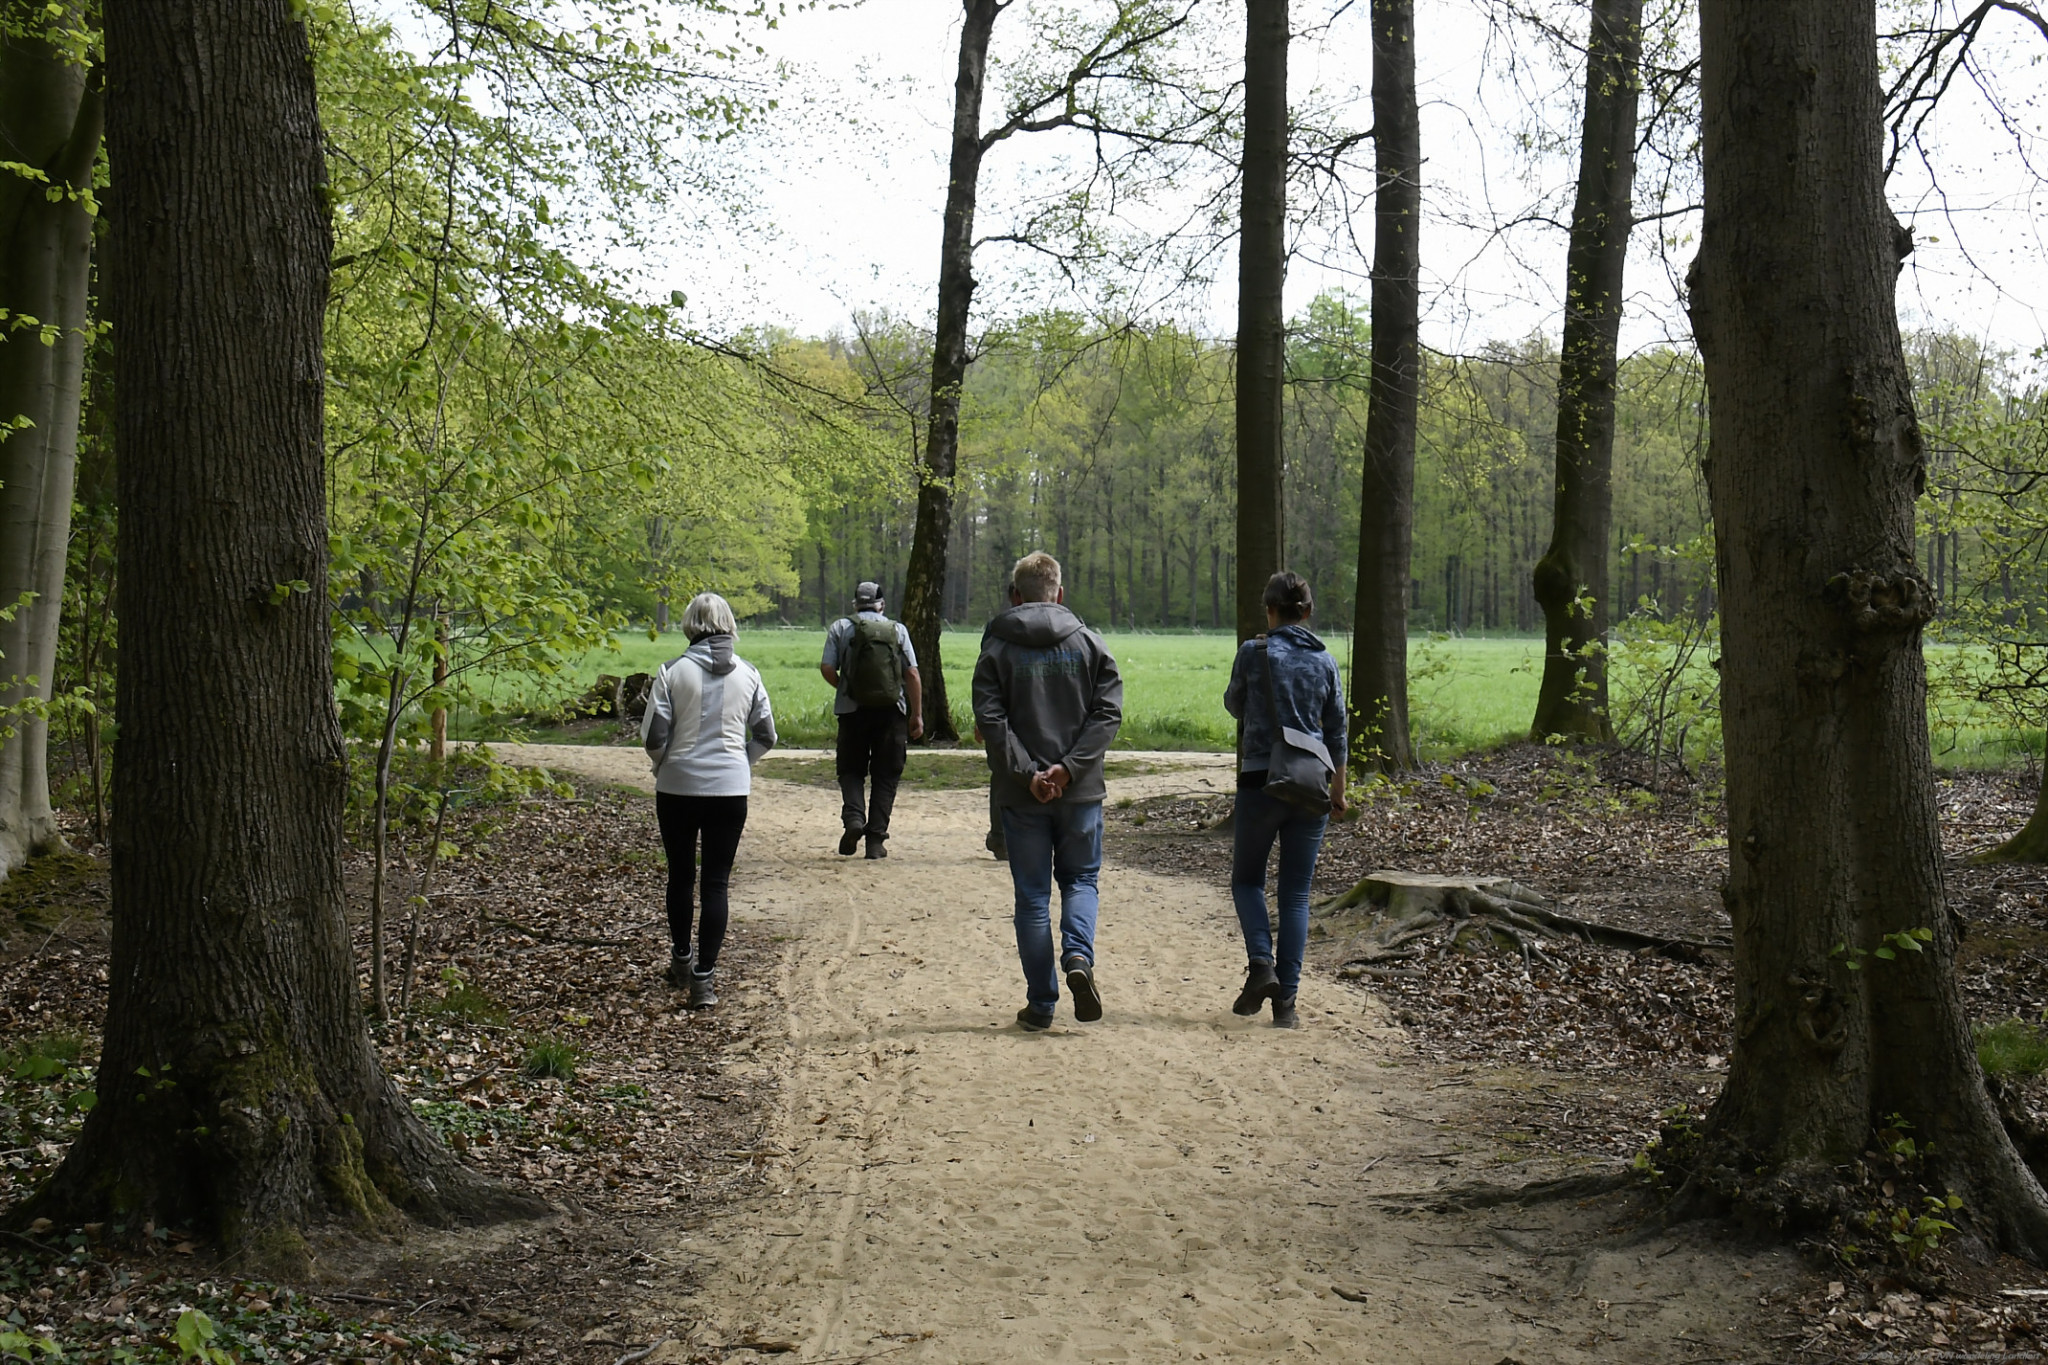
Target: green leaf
x,y
193,1332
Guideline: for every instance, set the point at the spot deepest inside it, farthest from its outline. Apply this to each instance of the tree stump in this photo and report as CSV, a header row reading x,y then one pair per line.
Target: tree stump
x,y
632,696
599,701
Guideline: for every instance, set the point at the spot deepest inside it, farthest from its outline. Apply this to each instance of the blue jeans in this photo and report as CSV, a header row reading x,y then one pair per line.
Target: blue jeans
x,y
1259,821
1059,841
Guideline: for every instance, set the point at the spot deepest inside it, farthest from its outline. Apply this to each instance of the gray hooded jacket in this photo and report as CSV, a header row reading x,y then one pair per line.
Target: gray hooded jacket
x,y
707,722
1046,691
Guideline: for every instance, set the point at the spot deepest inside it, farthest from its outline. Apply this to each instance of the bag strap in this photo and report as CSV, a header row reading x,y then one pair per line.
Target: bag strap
x,y
1272,693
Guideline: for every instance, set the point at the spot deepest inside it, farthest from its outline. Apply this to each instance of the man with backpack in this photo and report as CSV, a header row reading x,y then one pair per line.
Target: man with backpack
x,y
880,705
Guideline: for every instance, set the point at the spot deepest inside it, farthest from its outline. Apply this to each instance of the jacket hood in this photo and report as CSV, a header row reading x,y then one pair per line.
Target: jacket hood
x,y
713,653
1297,635
1035,625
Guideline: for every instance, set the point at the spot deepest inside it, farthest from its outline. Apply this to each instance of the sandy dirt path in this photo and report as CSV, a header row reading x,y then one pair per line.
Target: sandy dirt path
x,y
1172,1183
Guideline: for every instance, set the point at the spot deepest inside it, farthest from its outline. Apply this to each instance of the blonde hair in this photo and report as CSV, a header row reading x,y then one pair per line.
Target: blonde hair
x,y
708,614
1036,577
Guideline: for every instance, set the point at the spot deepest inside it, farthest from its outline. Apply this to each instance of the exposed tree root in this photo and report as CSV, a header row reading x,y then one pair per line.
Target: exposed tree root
x,y
2030,845
1486,1195
2029,1135
1859,1203
1405,907
258,1181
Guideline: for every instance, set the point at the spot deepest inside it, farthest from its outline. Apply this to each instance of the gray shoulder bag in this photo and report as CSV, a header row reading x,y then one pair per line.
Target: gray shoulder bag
x,y
1300,769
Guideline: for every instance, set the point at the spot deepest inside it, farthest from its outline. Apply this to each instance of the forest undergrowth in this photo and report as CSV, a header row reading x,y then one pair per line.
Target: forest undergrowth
x,y
542,1042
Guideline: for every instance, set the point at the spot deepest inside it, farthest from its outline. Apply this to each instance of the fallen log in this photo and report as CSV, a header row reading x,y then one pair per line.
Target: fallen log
x,y
1355,970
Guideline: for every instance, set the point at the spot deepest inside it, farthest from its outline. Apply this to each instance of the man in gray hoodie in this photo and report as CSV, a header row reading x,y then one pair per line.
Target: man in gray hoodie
x,y
1048,701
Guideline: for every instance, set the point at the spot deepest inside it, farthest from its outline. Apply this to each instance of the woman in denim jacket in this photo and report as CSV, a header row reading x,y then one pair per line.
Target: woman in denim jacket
x,y
1308,696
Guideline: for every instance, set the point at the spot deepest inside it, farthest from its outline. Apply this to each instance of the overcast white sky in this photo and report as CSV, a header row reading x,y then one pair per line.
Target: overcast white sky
x,y
852,175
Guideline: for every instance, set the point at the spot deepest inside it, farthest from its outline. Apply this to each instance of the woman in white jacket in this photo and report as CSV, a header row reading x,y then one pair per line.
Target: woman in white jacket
x,y
707,724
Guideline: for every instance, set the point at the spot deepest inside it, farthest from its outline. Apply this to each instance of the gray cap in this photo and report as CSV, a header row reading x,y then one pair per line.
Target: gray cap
x,y
868,595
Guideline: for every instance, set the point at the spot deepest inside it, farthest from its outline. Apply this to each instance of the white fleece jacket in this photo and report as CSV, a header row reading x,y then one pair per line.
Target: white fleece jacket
x,y
707,722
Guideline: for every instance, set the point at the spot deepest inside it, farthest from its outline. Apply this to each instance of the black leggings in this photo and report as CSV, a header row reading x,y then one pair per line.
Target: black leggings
x,y
721,818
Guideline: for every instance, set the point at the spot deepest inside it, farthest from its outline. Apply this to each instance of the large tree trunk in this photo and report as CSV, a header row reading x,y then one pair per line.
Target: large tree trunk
x,y
925,580
1813,469
1386,512
49,121
238,1089
1571,579
1261,324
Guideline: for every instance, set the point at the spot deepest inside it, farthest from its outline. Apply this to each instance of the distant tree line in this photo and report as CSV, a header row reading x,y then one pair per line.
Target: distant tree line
x,y
1115,452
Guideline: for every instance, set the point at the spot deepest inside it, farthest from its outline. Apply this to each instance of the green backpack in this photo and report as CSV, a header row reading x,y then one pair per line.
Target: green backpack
x,y
874,664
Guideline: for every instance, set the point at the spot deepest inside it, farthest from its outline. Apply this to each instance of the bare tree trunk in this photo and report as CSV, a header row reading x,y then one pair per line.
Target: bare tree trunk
x,y
438,737
91,601
1261,324
380,821
1215,586
1386,515
1571,578
925,579
1814,466
238,1090
50,121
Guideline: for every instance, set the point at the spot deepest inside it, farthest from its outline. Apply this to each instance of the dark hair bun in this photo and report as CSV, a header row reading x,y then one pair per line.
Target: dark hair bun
x,y
1287,593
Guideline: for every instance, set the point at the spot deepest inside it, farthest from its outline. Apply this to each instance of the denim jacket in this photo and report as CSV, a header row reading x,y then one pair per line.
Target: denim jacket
x,y
1309,695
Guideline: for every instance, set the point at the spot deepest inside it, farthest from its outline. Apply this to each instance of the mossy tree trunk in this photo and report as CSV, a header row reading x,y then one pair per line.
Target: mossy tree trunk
x,y
2030,845
1386,511
1815,463
1571,580
50,126
238,1092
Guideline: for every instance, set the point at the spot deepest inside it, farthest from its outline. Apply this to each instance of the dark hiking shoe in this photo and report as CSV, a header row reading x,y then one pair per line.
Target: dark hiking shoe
x,y
1284,1015
1259,983
877,846
1081,981
1031,1021
702,996
848,842
679,969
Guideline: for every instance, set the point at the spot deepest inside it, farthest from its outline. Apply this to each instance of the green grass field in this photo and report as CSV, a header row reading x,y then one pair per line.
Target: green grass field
x,y
1469,692
1465,694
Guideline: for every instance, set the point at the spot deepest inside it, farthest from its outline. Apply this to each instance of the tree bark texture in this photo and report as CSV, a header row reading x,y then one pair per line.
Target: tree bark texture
x,y
50,112
1386,511
1813,468
924,582
1571,580
1261,323
238,1089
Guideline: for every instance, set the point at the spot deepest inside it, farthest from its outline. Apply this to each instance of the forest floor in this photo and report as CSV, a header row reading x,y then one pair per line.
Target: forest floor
x,y
858,1156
